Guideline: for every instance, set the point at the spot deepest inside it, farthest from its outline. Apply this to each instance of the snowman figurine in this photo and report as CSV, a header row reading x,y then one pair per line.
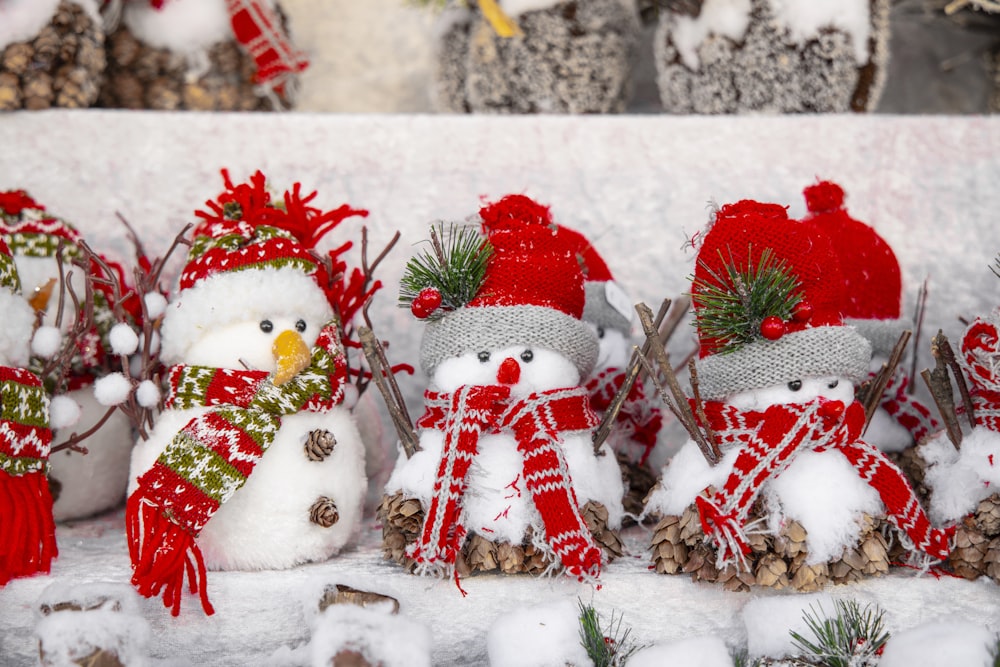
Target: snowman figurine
x,y
27,530
506,474
255,462
872,304
95,482
777,369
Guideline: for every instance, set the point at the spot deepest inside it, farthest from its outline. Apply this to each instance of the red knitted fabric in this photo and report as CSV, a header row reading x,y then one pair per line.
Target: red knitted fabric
x,y
535,422
13,202
769,441
873,286
981,360
639,420
531,264
258,29
595,269
744,230
906,410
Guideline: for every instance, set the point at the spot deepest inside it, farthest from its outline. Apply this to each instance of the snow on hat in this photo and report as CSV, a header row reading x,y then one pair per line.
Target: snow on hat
x,y
787,323
873,286
248,254
606,305
31,232
530,292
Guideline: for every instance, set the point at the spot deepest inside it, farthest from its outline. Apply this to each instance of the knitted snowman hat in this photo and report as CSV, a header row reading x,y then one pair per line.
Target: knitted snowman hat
x,y
32,232
18,316
767,293
530,292
873,287
606,305
249,257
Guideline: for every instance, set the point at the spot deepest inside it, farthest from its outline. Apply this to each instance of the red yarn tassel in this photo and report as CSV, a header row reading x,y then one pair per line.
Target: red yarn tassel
x,y
162,553
27,530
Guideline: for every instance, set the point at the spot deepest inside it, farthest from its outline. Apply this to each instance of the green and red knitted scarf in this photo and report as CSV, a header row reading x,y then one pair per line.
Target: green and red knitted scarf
x,y
212,457
27,531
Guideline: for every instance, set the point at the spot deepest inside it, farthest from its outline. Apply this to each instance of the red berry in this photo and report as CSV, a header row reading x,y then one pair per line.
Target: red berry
x,y
427,301
772,328
803,312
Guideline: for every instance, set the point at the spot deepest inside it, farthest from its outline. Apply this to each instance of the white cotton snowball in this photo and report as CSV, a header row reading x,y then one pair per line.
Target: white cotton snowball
x,y
46,342
940,642
691,652
147,394
63,412
545,635
156,304
112,389
770,620
123,339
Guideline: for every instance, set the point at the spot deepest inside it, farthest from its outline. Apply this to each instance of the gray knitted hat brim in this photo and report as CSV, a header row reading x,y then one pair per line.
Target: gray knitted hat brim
x,y
599,312
882,334
497,327
817,352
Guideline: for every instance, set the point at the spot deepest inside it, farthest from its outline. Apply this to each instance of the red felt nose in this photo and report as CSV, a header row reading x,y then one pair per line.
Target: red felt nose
x,y
509,371
831,410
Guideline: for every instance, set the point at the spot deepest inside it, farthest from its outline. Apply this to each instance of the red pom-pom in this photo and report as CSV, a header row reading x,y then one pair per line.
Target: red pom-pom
x,y
803,312
824,196
427,301
772,328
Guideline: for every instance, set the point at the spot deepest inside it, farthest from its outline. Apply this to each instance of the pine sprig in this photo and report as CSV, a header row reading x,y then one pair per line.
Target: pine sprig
x,y
996,267
607,647
854,637
732,306
455,267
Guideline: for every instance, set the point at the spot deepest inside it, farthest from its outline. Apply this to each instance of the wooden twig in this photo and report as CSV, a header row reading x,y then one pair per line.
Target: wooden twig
x,y
871,394
918,327
939,383
699,409
943,348
383,378
679,406
73,441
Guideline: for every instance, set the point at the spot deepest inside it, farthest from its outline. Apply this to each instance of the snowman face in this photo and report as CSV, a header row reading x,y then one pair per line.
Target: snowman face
x,y
525,369
614,348
248,345
830,387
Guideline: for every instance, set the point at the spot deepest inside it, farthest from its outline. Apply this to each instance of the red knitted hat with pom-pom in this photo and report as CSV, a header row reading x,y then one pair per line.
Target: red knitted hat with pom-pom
x,y
873,285
607,305
532,293
791,331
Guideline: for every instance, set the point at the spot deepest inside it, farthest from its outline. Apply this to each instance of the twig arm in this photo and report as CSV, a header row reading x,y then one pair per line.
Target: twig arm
x,y
382,376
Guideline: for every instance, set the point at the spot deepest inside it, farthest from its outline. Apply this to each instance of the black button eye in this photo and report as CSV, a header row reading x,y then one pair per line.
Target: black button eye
x,y
833,384
484,357
266,326
600,332
795,385
300,326
527,356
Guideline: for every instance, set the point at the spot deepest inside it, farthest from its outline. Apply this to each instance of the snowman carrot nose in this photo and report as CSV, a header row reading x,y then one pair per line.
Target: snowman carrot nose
x,y
509,371
291,355
40,299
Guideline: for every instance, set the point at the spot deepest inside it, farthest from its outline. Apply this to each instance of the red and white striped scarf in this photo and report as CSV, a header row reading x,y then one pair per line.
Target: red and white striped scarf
x,y
908,412
258,29
769,441
981,358
535,422
639,420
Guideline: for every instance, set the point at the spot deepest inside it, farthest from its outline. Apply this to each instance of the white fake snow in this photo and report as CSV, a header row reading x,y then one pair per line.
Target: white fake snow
x,y
960,479
769,620
941,642
46,342
147,394
693,652
112,389
20,20
185,26
727,18
123,339
546,635
514,8
63,412
382,638
156,303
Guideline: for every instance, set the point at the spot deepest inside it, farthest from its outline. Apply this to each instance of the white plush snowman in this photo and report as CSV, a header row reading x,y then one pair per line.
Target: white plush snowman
x,y
255,454
777,369
872,303
95,482
506,449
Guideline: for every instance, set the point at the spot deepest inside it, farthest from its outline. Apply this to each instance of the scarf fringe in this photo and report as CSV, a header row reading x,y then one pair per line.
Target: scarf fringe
x,y
27,530
162,555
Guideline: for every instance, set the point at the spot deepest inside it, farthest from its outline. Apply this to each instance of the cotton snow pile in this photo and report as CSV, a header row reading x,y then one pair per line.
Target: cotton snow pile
x,y
20,20
960,478
379,637
693,652
770,620
544,636
185,26
942,642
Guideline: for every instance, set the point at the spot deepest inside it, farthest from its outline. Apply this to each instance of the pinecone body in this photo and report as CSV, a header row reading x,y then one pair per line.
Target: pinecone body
x,y
639,480
968,556
61,67
767,70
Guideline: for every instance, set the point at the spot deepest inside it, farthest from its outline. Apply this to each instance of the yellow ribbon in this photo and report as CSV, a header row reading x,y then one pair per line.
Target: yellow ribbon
x,y
502,24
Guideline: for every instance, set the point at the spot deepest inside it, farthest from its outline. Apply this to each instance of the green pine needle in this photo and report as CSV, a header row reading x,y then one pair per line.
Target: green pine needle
x,y
996,267
732,306
607,647
996,652
853,637
457,274
741,658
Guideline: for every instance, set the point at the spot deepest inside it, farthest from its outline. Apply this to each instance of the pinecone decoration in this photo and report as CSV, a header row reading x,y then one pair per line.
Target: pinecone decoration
x,y
992,560
573,57
968,556
324,512
868,558
987,515
61,67
670,553
140,76
401,520
639,480
913,465
767,69
319,444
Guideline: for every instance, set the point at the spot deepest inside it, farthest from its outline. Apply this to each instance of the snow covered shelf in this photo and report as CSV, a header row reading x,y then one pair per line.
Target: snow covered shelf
x,y
637,186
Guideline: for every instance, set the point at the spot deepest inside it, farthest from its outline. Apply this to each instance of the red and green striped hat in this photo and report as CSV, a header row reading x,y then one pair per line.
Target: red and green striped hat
x,y
30,231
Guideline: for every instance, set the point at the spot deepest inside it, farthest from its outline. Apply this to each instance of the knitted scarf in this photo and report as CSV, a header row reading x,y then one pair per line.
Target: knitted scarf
x,y
27,531
639,419
211,458
769,441
981,357
908,412
535,422
258,28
